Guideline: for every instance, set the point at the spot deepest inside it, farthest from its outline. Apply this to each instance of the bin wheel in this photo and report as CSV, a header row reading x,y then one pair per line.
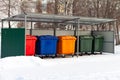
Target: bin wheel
x,y
56,55
77,55
81,54
72,55
92,52
87,53
63,56
101,52
53,56
95,53
41,57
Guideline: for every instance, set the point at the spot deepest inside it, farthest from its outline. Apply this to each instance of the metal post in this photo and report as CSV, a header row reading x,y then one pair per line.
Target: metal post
x,y
25,21
92,27
114,25
31,29
77,32
54,33
116,32
97,27
25,24
2,24
1,38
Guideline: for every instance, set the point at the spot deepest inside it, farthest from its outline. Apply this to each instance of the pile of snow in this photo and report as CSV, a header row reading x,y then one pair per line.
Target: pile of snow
x,y
93,67
117,49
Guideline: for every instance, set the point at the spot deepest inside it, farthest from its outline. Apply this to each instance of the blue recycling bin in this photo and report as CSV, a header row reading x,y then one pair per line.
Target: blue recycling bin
x,y
46,45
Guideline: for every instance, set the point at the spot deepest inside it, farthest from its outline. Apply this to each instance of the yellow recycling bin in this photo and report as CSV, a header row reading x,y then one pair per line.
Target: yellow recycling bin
x,y
66,45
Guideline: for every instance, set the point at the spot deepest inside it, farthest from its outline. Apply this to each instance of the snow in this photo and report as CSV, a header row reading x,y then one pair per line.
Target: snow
x,y
87,67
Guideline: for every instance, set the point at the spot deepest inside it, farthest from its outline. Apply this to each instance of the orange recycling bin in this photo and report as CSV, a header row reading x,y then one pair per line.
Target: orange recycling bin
x,y
30,45
66,45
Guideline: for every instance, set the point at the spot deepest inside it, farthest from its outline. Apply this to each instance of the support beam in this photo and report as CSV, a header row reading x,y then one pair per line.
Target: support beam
x,y
25,24
2,23
54,29
116,29
77,33
31,29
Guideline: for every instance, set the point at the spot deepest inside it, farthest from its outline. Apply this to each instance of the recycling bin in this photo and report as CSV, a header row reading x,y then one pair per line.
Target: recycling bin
x,y
98,43
30,45
85,43
46,45
66,45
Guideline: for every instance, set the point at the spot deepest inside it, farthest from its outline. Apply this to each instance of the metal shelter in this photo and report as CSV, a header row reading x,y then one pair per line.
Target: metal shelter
x,y
48,18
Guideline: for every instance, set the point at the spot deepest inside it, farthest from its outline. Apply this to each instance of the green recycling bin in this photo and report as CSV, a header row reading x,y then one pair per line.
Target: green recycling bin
x,y
98,43
85,43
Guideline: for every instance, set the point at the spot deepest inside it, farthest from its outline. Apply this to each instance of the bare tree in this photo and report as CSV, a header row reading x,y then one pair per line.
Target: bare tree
x,y
101,9
8,8
25,6
51,7
38,10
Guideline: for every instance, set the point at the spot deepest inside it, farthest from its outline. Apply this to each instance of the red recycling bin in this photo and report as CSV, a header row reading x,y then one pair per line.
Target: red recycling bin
x,y
30,45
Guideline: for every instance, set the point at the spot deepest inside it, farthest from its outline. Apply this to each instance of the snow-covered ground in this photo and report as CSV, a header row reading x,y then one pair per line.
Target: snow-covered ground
x,y
93,67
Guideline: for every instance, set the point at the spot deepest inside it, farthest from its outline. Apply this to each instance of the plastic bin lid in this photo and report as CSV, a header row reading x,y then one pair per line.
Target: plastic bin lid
x,y
47,37
86,37
98,36
67,37
30,37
